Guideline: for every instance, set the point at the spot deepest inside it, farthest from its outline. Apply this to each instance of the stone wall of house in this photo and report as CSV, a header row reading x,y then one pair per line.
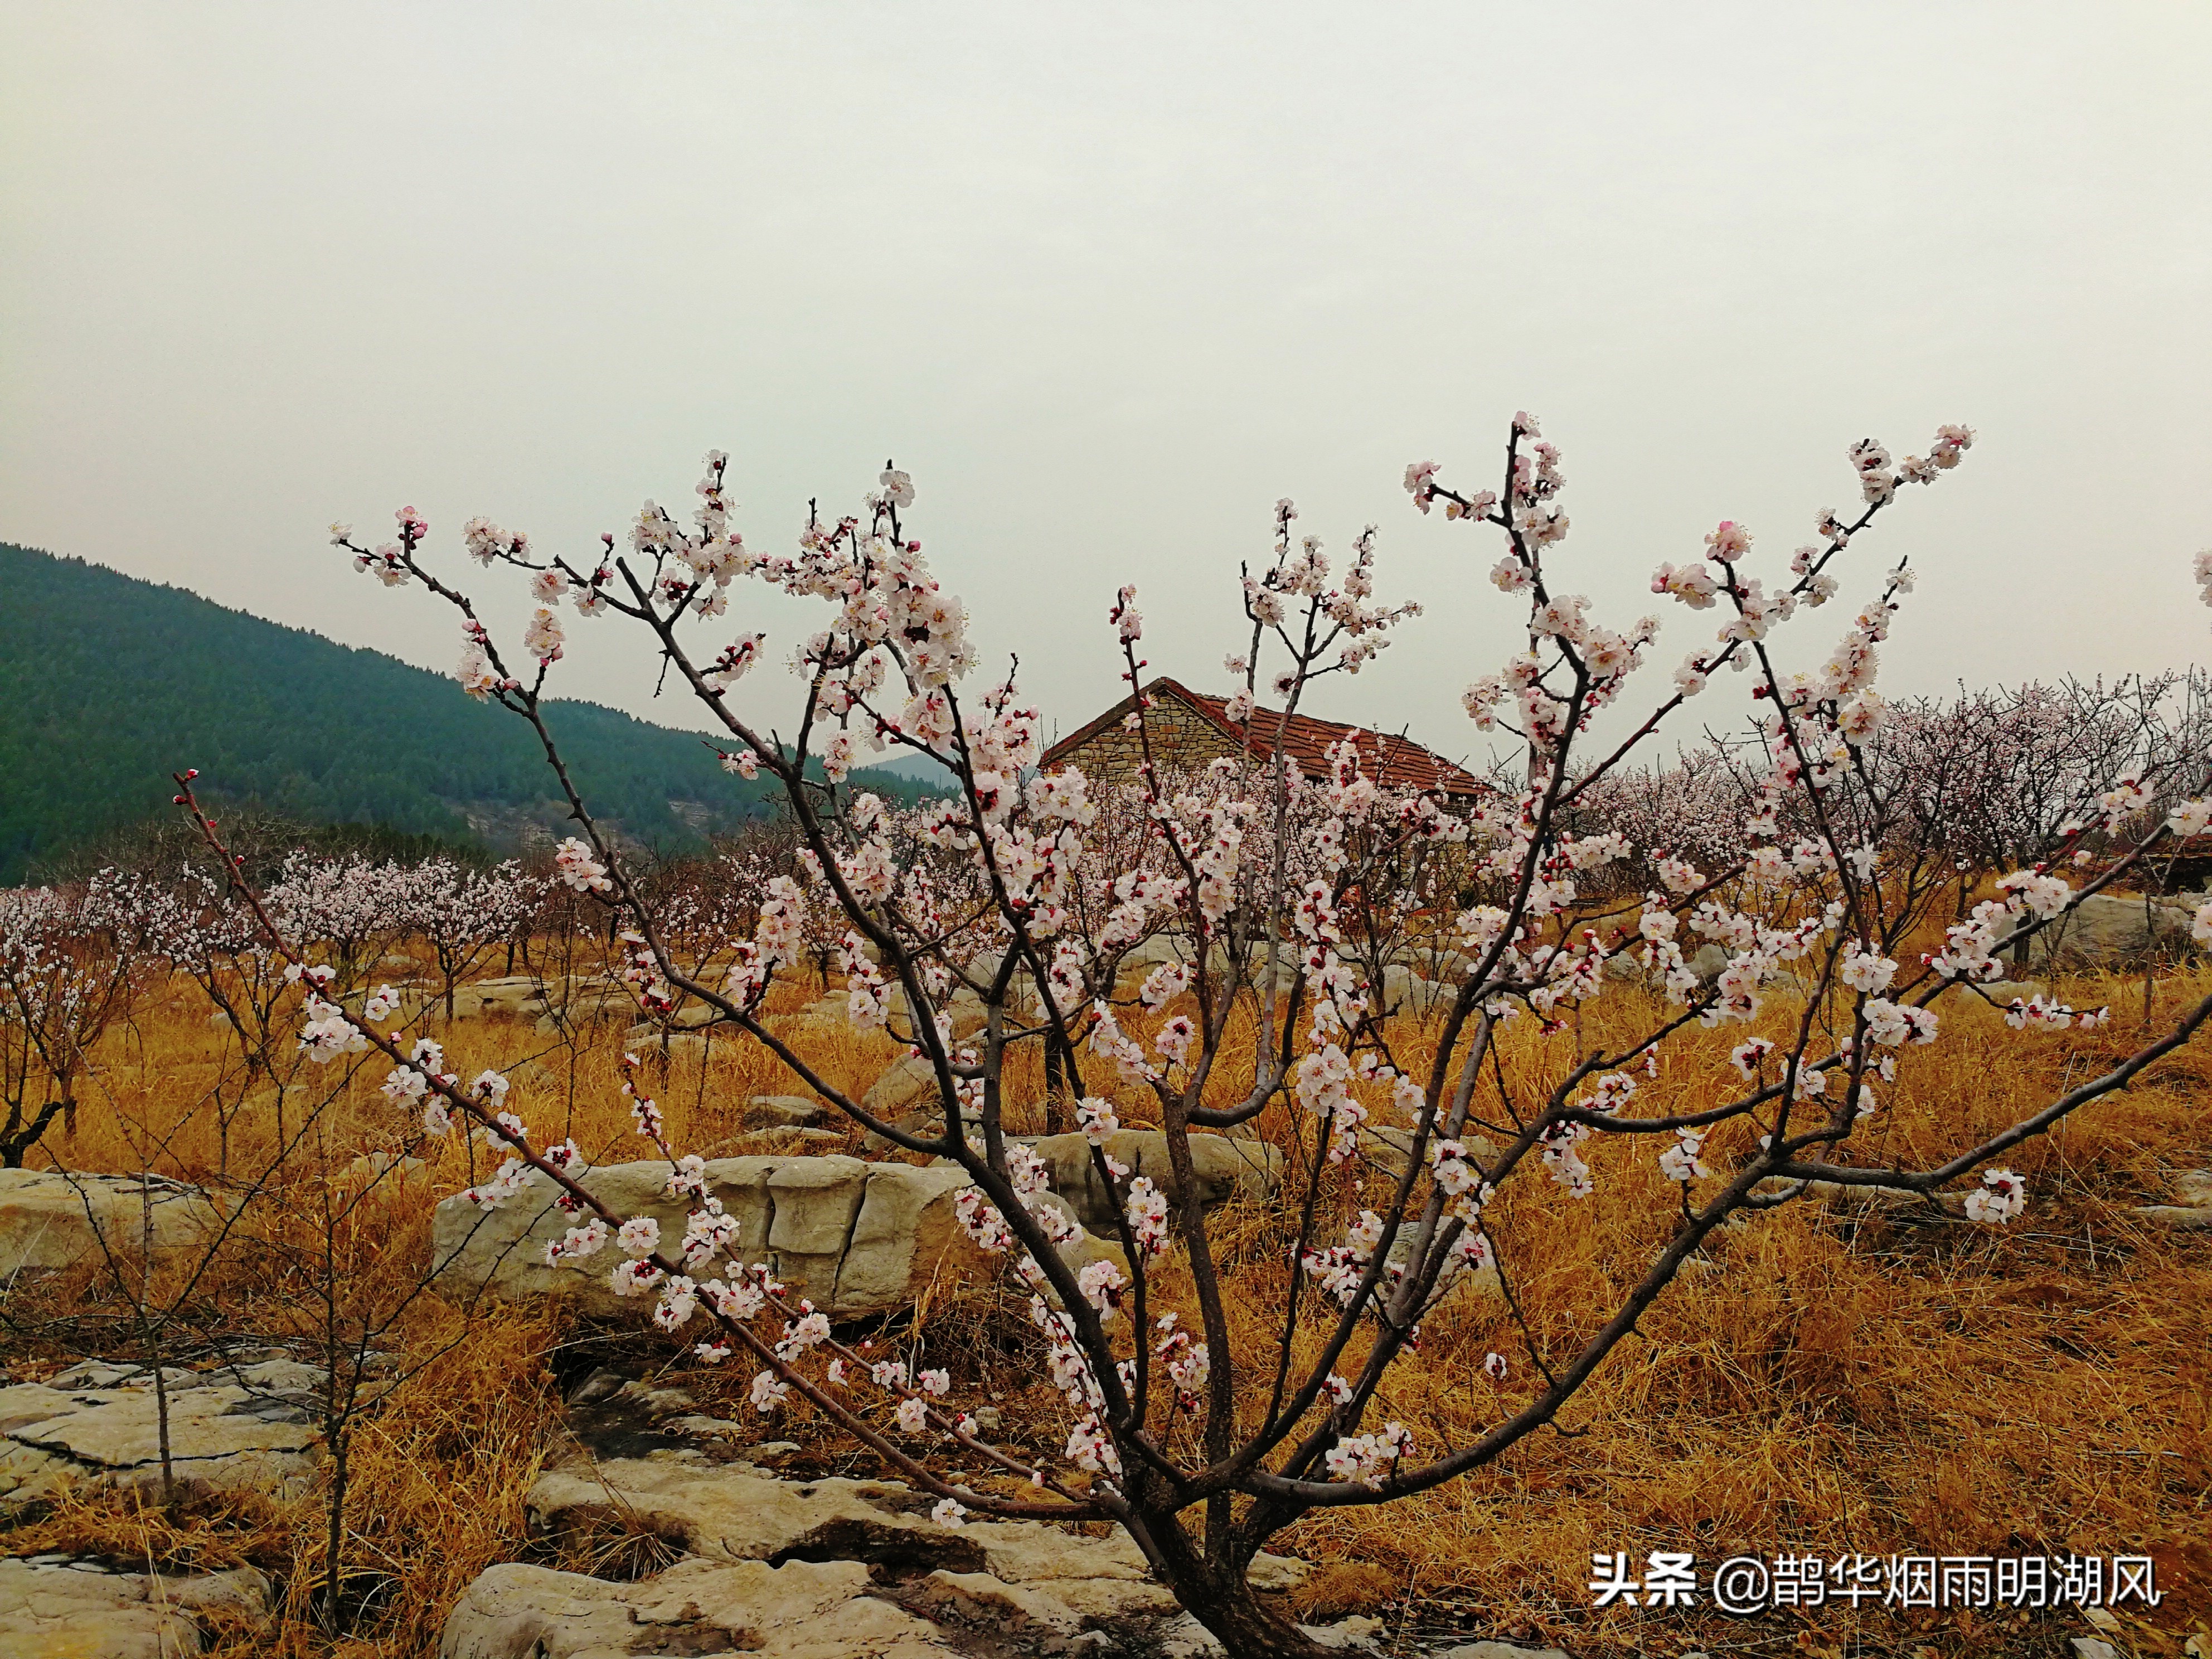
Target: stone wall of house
x,y
1181,740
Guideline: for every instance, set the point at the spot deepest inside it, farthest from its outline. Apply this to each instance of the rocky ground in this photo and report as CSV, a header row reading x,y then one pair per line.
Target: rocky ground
x,y
703,1540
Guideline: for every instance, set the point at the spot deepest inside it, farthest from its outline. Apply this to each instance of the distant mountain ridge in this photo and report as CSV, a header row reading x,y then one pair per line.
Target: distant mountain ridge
x,y
919,772
109,683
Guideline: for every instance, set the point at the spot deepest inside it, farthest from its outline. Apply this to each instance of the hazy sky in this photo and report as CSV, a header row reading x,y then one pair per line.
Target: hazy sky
x,y
1108,280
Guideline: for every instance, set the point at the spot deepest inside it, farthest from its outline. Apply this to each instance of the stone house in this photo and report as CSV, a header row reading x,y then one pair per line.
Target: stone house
x,y
1190,728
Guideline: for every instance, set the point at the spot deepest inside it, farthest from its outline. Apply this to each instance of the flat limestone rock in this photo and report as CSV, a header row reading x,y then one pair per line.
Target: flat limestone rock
x,y
512,994
1406,992
2107,930
782,1138
1185,1638
251,1428
805,1569
905,1085
854,1238
2184,1216
1389,1146
2193,1191
800,1610
58,1610
730,1513
1226,1167
584,997
1895,1201
794,1111
736,1513
50,1219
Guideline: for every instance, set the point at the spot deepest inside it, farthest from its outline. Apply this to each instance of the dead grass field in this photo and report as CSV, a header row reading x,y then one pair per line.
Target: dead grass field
x,y
1831,1380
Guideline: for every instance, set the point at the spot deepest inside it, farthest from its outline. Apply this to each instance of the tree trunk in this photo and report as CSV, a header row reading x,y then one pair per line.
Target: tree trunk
x,y
151,1331
1248,1631
334,1518
1057,1082
16,1143
1220,1596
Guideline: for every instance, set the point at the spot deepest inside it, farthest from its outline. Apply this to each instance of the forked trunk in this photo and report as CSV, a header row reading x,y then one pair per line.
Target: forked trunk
x,y
1220,1596
1245,1629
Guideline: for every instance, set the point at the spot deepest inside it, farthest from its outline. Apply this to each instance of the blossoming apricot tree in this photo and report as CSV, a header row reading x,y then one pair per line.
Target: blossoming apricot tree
x,y
1268,886
71,959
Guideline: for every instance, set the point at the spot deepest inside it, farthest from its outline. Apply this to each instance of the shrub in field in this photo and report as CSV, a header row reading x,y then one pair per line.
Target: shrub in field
x,y
1265,891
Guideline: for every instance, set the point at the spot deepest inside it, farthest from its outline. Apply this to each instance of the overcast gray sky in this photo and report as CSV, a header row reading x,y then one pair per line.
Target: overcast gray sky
x,y
1108,280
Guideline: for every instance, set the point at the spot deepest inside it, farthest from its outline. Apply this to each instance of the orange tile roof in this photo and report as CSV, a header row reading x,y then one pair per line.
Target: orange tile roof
x,y
1396,762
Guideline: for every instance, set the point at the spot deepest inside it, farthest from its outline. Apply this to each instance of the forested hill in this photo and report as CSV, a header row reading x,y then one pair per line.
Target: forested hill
x,y
108,684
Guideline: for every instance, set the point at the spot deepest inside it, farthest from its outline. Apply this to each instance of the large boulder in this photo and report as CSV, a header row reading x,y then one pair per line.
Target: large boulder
x,y
576,999
906,1087
854,1238
1389,1147
1406,993
1708,962
1137,961
796,1111
780,1141
54,1218
695,1014
826,1019
1225,1168
511,994
2106,930
964,1009
1022,999
53,1607
683,1030
246,1428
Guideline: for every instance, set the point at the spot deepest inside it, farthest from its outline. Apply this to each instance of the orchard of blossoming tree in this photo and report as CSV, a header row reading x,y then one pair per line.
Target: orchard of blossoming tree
x,y
1663,1018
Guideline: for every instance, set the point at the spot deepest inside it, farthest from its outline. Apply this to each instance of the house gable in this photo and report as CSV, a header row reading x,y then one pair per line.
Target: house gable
x,y
1190,728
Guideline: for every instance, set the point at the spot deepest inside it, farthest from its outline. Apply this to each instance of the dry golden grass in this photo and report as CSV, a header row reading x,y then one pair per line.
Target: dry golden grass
x,y
1832,1380
438,1477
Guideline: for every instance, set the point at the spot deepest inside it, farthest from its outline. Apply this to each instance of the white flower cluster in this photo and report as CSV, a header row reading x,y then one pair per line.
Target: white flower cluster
x,y
327,1033
1339,1269
577,868
1684,1160
1563,1161
2047,1014
2002,1195
1368,1458
1892,1023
